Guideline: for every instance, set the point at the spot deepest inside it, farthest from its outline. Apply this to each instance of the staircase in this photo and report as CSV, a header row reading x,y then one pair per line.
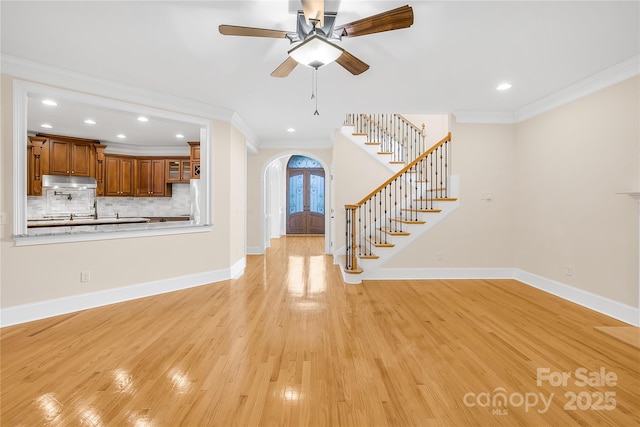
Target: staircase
x,y
415,198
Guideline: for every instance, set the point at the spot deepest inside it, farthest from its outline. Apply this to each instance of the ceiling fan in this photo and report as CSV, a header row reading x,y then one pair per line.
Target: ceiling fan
x,y
315,29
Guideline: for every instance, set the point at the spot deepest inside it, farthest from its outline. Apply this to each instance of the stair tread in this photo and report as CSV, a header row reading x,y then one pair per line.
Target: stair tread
x,y
371,143
359,134
408,221
368,256
394,232
380,244
385,152
437,199
423,210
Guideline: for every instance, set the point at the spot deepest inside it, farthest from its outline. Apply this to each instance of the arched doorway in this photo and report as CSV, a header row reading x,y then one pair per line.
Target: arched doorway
x,y
305,196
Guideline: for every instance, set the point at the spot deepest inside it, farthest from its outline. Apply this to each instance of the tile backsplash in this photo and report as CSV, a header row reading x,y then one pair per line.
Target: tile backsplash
x,y
80,202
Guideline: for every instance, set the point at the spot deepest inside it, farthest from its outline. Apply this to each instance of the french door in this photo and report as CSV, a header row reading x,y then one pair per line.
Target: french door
x,y
305,201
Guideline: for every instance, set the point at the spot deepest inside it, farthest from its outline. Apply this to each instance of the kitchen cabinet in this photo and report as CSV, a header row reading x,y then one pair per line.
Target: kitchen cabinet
x,y
151,180
194,159
37,164
119,176
71,156
178,170
100,170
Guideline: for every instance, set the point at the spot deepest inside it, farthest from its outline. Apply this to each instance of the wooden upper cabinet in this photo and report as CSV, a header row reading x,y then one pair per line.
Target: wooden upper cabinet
x,y
80,159
195,159
151,178
60,154
119,176
178,170
72,156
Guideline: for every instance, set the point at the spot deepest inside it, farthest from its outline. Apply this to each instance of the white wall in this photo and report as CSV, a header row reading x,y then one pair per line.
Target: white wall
x,y
275,201
571,162
436,125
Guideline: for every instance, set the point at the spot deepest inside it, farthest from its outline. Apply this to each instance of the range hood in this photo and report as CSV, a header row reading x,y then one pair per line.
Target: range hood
x,y
63,181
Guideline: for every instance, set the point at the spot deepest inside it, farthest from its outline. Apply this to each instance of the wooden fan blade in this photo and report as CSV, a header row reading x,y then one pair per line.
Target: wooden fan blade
x,y
395,19
285,68
234,30
314,9
352,64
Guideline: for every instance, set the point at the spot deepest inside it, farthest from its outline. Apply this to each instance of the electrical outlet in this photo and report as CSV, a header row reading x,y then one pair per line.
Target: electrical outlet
x,y
568,270
85,276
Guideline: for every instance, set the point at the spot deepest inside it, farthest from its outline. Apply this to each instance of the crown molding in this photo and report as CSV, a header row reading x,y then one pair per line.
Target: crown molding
x,y
489,117
70,80
297,144
240,124
140,150
251,147
603,79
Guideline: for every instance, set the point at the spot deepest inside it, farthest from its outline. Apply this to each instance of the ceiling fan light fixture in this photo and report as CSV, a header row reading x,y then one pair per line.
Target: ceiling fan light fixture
x,y
315,52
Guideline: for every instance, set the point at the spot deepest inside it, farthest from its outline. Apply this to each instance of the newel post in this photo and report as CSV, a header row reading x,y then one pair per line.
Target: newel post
x,y
351,261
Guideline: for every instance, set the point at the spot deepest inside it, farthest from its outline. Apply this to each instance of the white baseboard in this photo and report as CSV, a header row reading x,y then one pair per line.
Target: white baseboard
x,y
237,269
441,273
40,310
617,310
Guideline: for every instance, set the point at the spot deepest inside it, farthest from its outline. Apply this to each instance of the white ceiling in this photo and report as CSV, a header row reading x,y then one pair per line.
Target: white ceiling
x,y
450,60
68,118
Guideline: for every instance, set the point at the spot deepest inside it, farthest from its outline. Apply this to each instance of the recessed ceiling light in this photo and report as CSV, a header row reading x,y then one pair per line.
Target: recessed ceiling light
x,y
49,102
143,119
291,130
504,86
121,136
179,135
46,126
90,122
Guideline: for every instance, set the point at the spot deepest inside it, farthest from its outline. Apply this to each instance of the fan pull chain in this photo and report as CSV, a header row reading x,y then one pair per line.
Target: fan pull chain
x,y
315,90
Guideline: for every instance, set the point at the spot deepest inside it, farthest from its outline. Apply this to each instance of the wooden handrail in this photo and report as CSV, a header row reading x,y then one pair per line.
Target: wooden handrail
x,y
411,124
367,117
402,171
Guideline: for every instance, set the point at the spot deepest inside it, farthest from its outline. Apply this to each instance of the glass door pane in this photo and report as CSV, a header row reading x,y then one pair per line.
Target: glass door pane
x,y
173,170
186,170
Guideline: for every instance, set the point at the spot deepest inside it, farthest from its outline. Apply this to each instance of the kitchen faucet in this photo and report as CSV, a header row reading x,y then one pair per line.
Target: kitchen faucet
x,y
95,208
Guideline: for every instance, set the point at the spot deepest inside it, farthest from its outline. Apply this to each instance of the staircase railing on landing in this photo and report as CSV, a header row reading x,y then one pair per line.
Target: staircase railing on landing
x,y
398,137
398,201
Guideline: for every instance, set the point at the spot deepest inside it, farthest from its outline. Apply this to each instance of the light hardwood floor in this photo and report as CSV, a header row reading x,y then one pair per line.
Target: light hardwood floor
x,y
289,344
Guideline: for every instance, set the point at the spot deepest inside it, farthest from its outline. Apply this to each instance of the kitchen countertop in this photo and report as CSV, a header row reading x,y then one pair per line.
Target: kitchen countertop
x,y
92,229
51,222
